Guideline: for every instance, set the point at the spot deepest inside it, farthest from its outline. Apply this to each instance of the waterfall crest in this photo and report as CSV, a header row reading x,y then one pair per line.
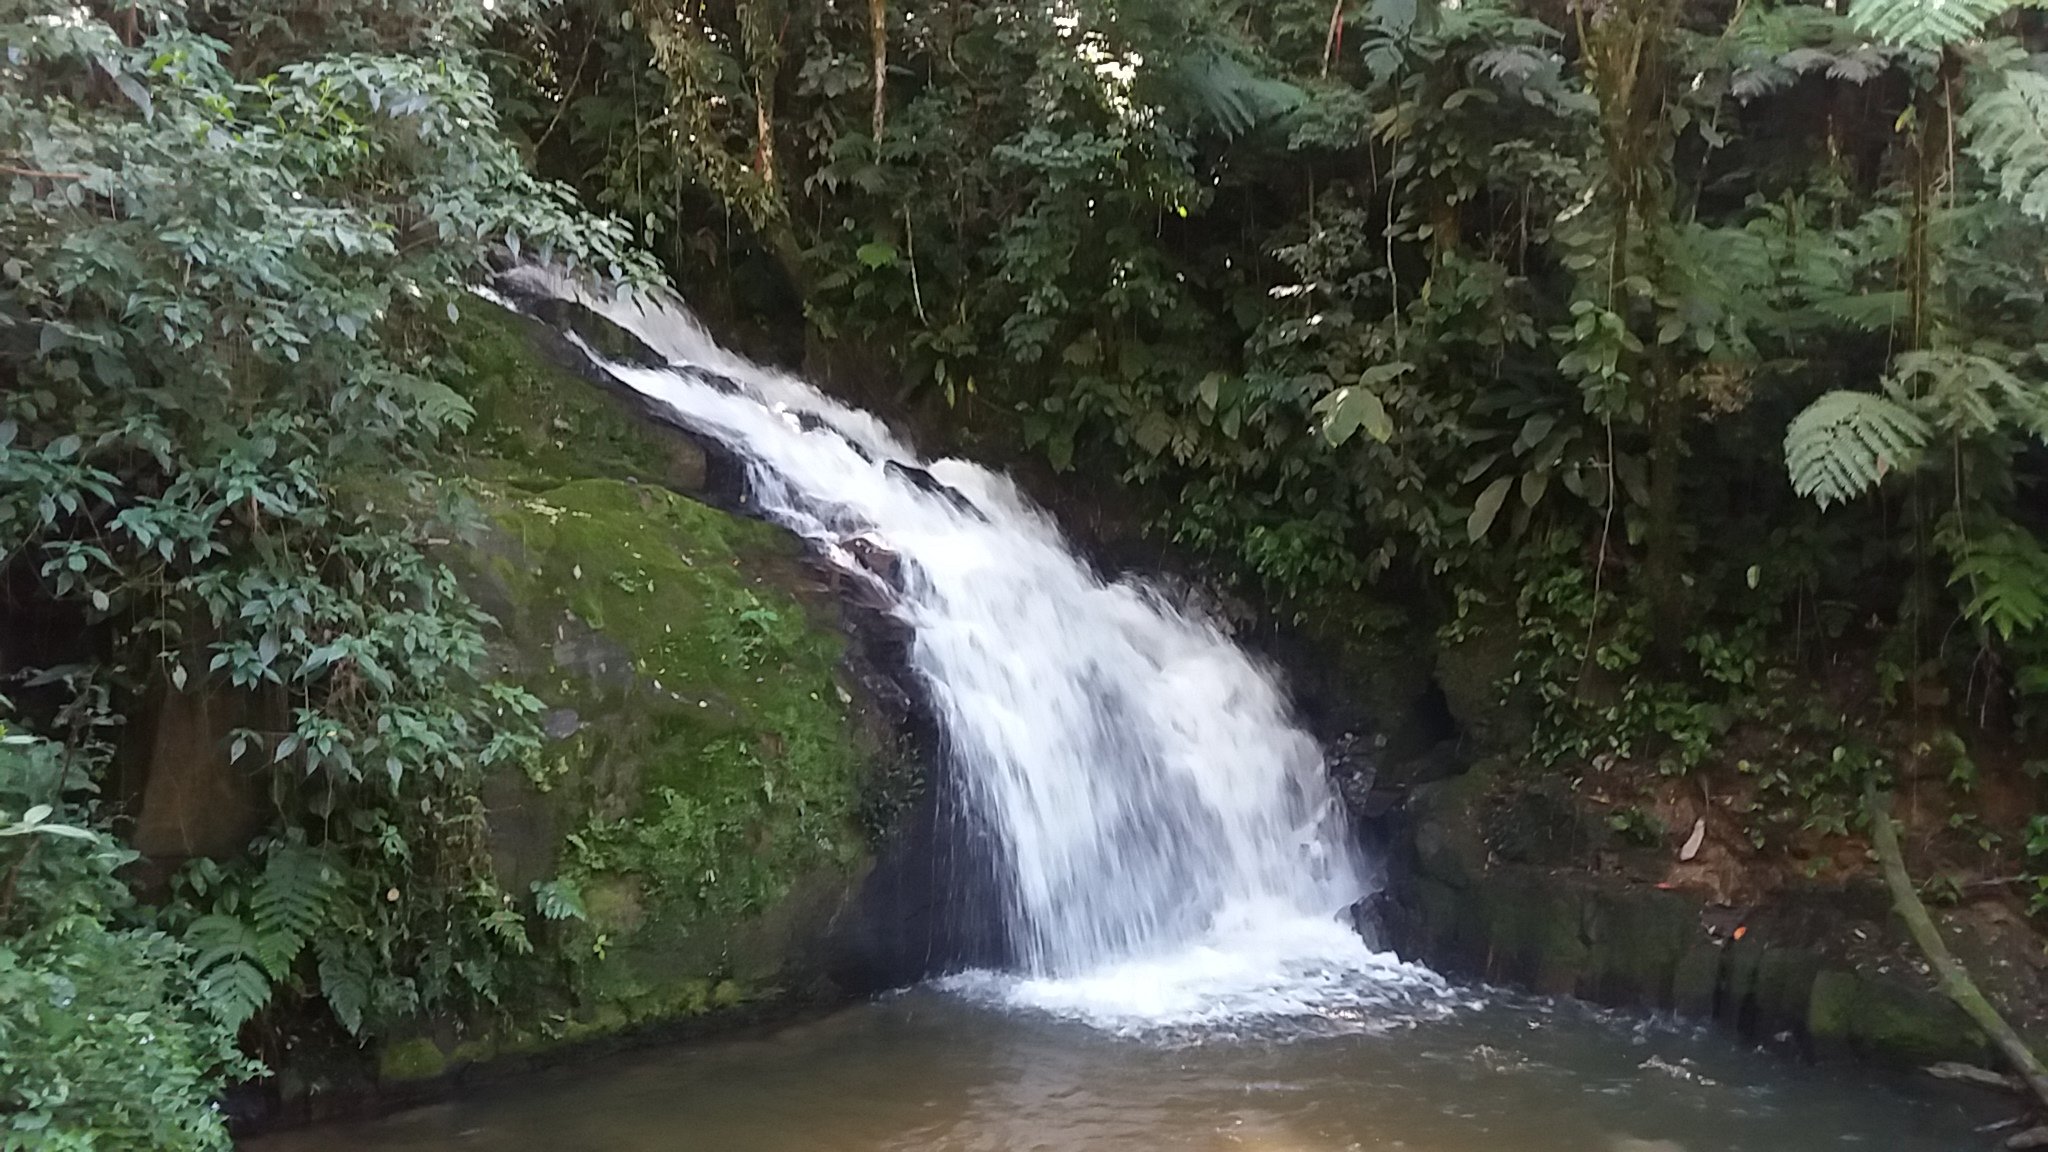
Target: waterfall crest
x,y
1171,850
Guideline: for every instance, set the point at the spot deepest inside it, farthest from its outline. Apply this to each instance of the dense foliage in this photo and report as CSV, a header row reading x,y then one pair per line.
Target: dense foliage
x,y
104,1040
234,236
1473,297
1699,345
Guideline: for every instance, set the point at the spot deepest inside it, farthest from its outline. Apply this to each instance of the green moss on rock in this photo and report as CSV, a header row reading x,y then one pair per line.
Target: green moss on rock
x,y
705,760
1784,991
704,772
1448,845
1534,934
537,425
1831,1011
1637,939
1698,979
410,1061
1892,1023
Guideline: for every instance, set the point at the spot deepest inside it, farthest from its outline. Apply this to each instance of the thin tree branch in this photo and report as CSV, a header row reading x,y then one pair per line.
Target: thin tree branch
x,y
1955,981
39,174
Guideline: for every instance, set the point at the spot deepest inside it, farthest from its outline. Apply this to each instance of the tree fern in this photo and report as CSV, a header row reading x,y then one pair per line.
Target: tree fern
x,y
1928,24
2007,130
1845,442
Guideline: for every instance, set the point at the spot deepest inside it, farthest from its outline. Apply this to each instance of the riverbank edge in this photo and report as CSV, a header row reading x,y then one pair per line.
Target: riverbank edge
x,y
1758,973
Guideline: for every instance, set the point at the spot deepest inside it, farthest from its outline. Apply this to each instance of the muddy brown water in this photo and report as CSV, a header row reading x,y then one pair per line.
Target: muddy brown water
x,y
936,1072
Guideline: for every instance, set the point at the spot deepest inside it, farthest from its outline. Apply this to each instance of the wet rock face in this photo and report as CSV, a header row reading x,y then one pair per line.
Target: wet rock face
x,y
876,558
926,482
1460,904
931,904
926,901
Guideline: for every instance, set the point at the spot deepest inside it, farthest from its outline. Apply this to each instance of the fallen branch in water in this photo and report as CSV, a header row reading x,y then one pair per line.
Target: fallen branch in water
x,y
1960,1073
1955,982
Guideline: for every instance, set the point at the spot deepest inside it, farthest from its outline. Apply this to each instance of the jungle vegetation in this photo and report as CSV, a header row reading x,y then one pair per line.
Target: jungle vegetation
x,y
1704,346
1700,346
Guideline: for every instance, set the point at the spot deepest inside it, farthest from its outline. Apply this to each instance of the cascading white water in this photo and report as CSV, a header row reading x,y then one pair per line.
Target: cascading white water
x,y
1173,851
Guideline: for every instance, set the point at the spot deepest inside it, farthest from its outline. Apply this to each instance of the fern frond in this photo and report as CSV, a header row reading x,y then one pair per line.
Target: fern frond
x,y
1231,96
1928,24
345,975
2005,571
233,992
1971,394
226,952
1868,311
1860,66
1844,443
1518,66
1762,79
290,901
2007,130
559,899
216,938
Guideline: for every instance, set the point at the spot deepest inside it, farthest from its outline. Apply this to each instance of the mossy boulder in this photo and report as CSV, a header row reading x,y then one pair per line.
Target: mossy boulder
x,y
411,1061
538,424
702,765
1535,935
693,822
1475,670
1890,1023
1445,820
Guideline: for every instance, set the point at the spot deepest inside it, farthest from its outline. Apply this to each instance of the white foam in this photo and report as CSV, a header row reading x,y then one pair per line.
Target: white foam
x,y
1279,978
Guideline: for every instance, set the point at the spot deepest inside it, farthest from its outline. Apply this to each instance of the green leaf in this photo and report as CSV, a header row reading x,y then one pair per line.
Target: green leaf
x,y
1534,430
2005,571
1844,443
2007,130
1153,433
1486,508
1347,410
876,254
1928,24
346,972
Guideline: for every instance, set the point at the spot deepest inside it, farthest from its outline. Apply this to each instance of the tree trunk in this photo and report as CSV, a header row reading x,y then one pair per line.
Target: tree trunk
x,y
1955,982
878,36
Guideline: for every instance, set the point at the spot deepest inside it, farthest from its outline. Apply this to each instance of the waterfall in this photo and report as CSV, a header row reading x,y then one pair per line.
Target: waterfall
x,y
1171,849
